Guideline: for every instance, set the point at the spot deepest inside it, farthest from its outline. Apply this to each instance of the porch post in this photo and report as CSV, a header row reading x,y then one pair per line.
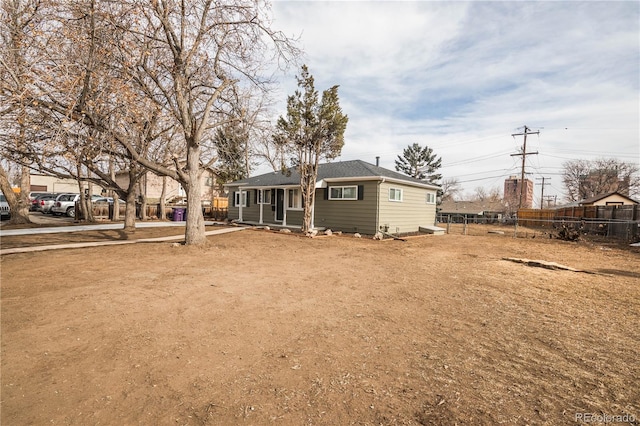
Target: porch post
x,y
261,204
284,207
240,203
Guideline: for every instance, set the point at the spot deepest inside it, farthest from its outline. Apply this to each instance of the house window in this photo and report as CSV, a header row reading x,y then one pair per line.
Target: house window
x,y
343,193
264,196
295,199
395,194
431,198
236,198
208,181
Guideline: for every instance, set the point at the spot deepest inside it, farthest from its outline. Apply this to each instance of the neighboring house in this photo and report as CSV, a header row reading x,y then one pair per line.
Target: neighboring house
x,y
152,186
471,211
45,183
351,196
610,199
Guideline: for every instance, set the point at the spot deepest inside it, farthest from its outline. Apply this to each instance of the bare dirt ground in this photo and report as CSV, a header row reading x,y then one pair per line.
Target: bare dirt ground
x,y
264,328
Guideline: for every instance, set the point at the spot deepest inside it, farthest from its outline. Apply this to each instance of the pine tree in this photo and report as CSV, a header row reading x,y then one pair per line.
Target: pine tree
x,y
420,163
312,130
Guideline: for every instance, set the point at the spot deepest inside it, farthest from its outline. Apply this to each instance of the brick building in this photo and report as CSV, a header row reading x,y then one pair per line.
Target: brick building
x,y
512,189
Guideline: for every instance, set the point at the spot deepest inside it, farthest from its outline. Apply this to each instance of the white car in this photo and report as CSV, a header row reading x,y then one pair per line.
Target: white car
x,y
5,210
106,200
65,204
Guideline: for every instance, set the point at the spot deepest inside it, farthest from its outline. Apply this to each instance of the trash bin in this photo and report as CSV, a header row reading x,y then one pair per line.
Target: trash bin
x,y
179,214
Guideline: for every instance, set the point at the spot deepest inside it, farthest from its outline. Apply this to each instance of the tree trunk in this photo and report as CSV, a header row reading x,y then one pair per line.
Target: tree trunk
x,y
307,193
19,214
308,176
116,207
88,206
142,198
163,196
130,212
194,233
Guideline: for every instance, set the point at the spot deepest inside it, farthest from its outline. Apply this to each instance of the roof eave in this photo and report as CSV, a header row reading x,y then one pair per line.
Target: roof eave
x,y
382,179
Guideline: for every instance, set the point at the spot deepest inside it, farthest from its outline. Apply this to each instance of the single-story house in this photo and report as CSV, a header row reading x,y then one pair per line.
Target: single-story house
x,y
350,196
471,211
610,199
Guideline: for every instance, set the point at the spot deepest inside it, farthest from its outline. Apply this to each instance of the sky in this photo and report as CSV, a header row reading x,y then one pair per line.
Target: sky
x,y
463,77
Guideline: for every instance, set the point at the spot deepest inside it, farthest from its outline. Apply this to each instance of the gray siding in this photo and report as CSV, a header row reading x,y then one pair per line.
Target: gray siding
x,y
294,217
348,215
365,216
252,212
249,214
409,214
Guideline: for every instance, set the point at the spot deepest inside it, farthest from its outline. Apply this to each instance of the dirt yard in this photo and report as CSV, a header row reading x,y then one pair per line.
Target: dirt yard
x,y
265,328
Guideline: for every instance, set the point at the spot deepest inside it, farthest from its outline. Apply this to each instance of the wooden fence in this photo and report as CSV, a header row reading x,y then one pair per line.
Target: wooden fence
x,y
218,210
614,221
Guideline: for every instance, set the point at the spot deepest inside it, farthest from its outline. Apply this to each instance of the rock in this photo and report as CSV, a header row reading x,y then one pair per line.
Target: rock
x,y
328,232
356,235
285,231
378,236
266,228
312,233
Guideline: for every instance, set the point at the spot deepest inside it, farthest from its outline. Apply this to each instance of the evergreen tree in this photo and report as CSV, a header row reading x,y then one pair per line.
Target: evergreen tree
x,y
231,146
420,163
313,129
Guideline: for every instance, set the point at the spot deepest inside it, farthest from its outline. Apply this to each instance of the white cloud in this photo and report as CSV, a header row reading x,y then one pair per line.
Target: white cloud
x,y
461,77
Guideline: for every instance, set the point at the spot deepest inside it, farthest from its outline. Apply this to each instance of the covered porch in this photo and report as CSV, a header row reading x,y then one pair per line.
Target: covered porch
x,y
275,206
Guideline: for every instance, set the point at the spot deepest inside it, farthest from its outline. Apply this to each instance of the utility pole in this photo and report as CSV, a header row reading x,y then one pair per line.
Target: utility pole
x,y
549,198
542,193
524,154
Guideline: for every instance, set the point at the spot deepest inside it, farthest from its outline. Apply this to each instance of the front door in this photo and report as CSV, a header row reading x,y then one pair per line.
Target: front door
x,y
279,205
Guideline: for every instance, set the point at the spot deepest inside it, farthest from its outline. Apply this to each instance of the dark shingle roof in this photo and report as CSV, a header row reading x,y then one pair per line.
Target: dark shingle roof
x,y
341,169
471,207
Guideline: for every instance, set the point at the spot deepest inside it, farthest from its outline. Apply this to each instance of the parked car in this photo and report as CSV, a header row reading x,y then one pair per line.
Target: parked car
x,y
32,199
107,200
5,210
65,204
43,203
33,196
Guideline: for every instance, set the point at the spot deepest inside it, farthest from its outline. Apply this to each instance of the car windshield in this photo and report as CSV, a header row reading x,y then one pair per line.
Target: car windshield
x,y
2,197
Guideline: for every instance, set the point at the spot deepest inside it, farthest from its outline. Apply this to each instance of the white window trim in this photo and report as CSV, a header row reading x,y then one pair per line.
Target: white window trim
x,y
343,188
236,198
296,198
262,198
431,198
394,199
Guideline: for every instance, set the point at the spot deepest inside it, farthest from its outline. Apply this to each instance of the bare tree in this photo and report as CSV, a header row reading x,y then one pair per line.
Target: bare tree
x,y
585,179
19,21
450,189
192,57
137,83
493,195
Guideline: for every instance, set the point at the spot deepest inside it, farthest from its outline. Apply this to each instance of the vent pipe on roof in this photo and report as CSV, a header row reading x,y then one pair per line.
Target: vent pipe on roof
x,y
377,161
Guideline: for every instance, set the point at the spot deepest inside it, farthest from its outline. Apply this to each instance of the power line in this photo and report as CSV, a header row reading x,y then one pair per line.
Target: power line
x,y
542,193
524,154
